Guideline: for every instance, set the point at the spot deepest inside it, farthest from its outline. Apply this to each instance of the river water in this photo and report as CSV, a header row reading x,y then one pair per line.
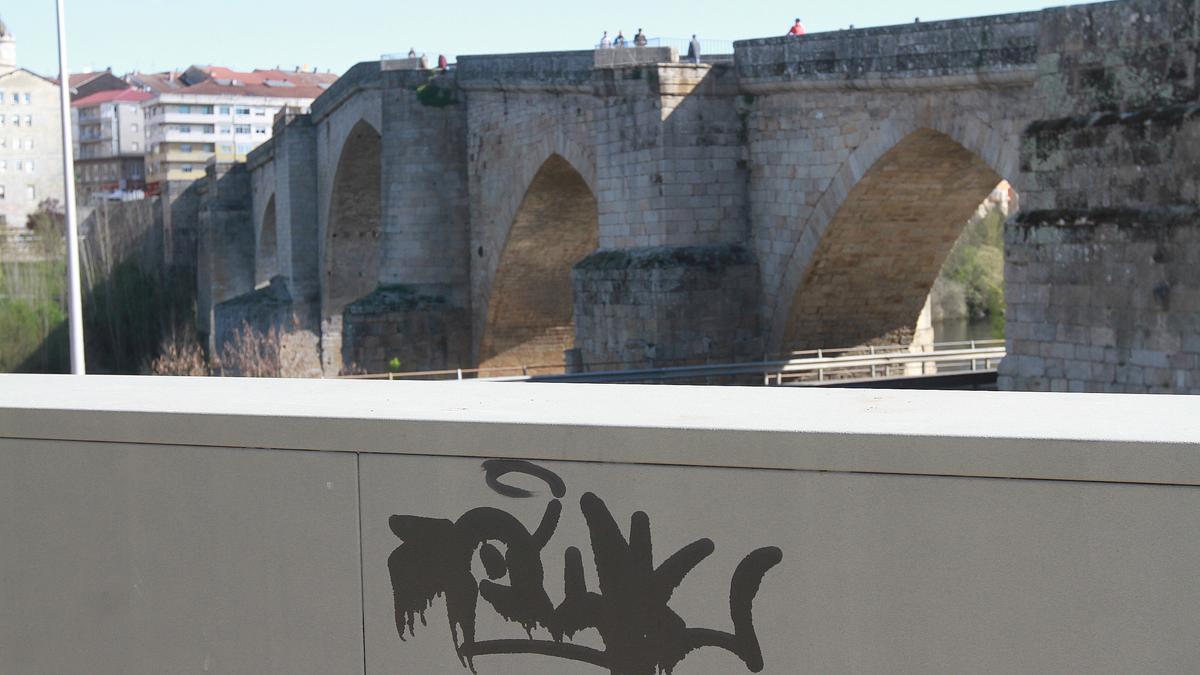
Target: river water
x,y
963,329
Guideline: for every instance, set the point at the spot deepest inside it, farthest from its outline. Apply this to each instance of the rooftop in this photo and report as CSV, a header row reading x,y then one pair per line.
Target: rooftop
x,y
221,81
132,95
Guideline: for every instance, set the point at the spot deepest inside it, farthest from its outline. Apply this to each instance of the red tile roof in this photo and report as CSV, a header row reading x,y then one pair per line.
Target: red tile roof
x,y
218,80
77,79
99,97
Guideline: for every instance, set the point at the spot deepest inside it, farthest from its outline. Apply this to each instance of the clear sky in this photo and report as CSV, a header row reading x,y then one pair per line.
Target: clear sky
x,y
330,34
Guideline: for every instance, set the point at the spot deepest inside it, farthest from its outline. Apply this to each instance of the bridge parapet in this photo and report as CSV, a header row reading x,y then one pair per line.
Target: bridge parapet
x,y
993,50
361,76
531,71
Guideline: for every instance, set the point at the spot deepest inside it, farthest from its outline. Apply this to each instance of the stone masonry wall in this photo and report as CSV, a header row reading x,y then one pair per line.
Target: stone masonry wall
x,y
296,219
225,242
425,203
756,164
510,139
1103,288
627,301
398,322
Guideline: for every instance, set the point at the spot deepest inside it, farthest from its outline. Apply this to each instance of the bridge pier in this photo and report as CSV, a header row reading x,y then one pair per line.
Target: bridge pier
x,y
1102,265
661,306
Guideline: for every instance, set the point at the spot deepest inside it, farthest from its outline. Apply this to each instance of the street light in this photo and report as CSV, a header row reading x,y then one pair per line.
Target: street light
x,y
74,301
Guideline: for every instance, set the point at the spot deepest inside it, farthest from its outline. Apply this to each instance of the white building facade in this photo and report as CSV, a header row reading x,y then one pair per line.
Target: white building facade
x,y
31,150
110,143
208,112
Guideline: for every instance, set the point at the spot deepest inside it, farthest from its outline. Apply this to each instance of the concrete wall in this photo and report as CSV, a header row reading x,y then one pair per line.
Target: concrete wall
x,y
194,524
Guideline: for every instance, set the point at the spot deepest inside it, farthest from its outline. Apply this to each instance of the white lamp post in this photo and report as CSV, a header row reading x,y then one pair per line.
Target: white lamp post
x,y
74,301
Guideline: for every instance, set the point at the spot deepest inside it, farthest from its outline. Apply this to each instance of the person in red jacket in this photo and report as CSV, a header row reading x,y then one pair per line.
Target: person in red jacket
x,y
797,29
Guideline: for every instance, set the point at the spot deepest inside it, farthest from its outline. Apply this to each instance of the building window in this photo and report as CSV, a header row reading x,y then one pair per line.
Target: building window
x,y
133,127
16,99
259,112
226,129
225,147
260,130
16,120
31,193
29,166
242,129
187,167
184,129
242,111
136,145
29,120
26,98
185,109
20,165
243,148
2,192
224,110
186,147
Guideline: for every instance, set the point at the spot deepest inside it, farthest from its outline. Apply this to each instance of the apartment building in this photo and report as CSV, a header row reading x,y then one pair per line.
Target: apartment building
x,y
31,168
209,111
110,144
86,84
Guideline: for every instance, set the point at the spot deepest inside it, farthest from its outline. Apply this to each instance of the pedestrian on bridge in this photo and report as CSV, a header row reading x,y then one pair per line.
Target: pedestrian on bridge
x,y
797,29
694,50
605,43
620,41
639,40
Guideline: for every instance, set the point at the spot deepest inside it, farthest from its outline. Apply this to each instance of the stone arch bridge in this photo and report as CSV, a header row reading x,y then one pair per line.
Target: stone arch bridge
x,y
798,193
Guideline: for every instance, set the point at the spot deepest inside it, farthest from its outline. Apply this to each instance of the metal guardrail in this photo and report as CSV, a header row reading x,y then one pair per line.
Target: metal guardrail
x,y
707,47
799,367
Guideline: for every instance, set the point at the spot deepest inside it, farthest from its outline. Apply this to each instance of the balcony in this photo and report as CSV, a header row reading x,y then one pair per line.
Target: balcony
x,y
178,156
95,138
182,118
173,136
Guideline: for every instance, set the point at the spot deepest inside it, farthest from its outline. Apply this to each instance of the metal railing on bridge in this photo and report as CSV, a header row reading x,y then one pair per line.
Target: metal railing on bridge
x,y
798,368
707,47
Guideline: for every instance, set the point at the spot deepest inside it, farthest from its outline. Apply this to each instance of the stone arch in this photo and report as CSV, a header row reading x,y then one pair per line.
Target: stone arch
x,y
530,308
503,166
993,145
891,217
266,255
351,242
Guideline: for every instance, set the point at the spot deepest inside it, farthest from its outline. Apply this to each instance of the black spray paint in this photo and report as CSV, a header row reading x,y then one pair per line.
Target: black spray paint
x,y
642,635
